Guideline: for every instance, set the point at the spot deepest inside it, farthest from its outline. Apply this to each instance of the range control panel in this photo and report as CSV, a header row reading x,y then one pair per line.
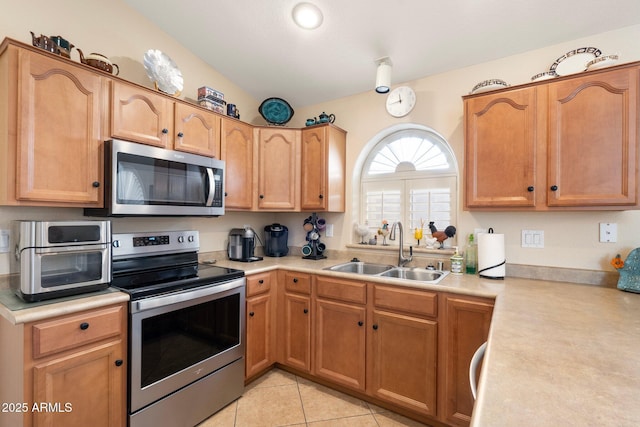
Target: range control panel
x,y
131,244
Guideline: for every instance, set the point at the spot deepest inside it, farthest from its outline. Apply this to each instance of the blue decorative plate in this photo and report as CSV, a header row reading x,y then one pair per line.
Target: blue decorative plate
x,y
276,111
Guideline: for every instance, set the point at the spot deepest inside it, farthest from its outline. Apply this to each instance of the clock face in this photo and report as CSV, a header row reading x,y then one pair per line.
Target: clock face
x,y
401,101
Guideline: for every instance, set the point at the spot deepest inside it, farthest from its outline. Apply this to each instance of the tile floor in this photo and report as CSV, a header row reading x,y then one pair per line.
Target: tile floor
x,y
280,398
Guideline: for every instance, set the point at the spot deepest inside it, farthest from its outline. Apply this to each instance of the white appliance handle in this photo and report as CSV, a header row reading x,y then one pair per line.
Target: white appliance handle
x,y
473,367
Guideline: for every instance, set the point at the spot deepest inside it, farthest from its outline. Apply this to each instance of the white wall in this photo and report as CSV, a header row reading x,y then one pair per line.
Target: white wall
x,y
117,31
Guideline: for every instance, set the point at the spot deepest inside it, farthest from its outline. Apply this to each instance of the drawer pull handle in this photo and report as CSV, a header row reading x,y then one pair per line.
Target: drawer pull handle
x,y
261,281
295,280
84,326
119,362
180,134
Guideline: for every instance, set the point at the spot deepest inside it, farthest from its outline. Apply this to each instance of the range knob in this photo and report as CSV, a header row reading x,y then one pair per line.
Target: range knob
x,y
180,239
116,243
191,239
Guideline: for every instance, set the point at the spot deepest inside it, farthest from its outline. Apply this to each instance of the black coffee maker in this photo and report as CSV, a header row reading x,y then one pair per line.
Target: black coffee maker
x,y
276,237
241,246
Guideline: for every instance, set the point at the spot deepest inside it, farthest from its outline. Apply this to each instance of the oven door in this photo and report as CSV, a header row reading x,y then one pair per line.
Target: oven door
x,y
178,338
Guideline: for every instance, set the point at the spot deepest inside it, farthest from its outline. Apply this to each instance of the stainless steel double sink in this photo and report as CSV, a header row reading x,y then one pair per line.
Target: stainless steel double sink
x,y
386,270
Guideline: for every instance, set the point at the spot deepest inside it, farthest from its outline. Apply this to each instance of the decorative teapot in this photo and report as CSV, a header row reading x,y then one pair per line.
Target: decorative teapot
x,y
64,47
324,118
46,43
311,122
98,61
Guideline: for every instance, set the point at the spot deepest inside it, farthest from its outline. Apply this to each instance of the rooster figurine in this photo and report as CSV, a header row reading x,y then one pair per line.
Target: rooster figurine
x,y
362,231
384,232
441,236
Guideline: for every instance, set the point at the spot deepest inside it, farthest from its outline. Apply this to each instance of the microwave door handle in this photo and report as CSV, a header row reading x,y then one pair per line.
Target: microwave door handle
x,y
212,188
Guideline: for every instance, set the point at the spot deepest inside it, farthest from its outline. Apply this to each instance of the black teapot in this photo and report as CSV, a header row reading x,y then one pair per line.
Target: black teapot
x,y
326,118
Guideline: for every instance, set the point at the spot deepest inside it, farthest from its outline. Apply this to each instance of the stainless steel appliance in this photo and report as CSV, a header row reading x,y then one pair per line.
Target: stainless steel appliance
x,y
242,244
60,258
151,181
186,328
276,237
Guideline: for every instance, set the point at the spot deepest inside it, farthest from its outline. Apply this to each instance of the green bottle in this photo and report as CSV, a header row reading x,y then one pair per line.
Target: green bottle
x,y
471,256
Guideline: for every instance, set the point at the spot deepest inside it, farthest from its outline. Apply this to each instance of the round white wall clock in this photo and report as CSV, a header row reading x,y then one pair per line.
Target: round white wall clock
x,y
401,101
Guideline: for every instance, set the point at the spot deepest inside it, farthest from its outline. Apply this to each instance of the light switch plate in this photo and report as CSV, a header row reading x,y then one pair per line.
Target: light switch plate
x,y
533,238
5,240
608,232
328,232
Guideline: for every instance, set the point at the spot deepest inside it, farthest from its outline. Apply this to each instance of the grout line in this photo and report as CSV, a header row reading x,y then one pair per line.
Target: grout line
x,y
304,414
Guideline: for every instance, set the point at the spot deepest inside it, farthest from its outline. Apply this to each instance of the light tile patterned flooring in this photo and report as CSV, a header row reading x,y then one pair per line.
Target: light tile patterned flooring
x,y
280,398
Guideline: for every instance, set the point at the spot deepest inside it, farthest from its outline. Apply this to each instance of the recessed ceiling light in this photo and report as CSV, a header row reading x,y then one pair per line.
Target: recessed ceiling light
x,y
307,15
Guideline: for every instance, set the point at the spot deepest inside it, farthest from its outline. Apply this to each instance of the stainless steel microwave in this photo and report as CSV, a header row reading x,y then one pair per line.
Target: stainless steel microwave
x,y
59,258
141,180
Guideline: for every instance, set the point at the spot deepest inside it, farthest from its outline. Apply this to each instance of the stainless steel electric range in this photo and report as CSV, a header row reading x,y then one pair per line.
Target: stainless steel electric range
x,y
186,328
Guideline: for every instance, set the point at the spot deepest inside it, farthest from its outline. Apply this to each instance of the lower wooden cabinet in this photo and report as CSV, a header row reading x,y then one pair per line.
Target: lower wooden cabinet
x,y
467,321
294,323
260,323
71,370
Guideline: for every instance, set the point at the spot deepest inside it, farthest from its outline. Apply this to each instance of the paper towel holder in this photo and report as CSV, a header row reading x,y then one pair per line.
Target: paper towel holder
x,y
490,231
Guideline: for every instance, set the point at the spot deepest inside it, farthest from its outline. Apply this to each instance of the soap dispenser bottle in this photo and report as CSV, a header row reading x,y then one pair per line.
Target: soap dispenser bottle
x,y
456,262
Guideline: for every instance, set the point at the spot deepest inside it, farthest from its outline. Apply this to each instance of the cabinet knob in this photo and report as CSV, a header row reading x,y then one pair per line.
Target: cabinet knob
x,y
295,280
360,323
165,131
261,281
320,196
262,196
554,188
305,311
530,188
225,194
375,327
180,134
84,326
95,184
119,362
251,313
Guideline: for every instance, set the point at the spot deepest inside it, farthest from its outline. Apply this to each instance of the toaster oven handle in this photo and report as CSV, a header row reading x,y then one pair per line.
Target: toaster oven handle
x,y
212,187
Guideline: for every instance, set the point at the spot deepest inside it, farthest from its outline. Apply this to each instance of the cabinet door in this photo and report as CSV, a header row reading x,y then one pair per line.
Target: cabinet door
x,y
259,333
297,332
237,152
278,169
592,140
86,388
197,131
340,343
59,133
141,116
467,327
403,355
500,149
313,181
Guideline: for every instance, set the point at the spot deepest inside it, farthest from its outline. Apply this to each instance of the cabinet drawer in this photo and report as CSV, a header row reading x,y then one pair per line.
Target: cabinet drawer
x,y
406,300
297,282
344,290
73,331
258,284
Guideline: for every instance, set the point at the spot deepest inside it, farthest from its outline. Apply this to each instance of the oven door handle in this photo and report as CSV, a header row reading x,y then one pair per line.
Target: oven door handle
x,y
212,187
191,294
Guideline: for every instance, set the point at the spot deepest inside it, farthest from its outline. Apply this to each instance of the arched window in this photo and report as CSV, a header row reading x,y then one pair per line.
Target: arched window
x,y
410,175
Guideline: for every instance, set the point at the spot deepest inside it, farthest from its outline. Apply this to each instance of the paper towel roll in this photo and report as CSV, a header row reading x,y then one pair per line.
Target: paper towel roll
x,y
491,257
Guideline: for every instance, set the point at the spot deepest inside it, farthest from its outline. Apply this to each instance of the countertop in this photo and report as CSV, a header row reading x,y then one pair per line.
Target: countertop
x,y
558,353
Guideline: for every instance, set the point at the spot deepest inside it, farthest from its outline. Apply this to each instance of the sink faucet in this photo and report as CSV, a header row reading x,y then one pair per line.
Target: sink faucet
x,y
402,260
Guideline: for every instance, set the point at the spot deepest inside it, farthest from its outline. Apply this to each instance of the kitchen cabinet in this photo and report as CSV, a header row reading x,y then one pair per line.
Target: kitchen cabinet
x,y
74,365
340,331
569,143
323,168
294,331
260,321
278,169
403,348
50,144
141,115
466,321
237,148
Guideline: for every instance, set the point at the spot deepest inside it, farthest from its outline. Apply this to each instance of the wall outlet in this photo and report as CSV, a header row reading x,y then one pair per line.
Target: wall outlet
x,y
608,232
5,240
328,231
532,238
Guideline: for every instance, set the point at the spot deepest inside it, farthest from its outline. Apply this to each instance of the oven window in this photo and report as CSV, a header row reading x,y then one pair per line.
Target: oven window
x,y
176,340
68,268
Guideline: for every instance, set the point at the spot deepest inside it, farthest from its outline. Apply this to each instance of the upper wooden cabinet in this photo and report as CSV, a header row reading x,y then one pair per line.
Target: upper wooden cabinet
x,y
566,144
140,115
237,148
50,149
323,169
278,169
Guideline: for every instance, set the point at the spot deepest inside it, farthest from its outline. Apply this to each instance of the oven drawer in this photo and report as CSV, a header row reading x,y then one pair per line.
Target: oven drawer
x,y
258,284
76,330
